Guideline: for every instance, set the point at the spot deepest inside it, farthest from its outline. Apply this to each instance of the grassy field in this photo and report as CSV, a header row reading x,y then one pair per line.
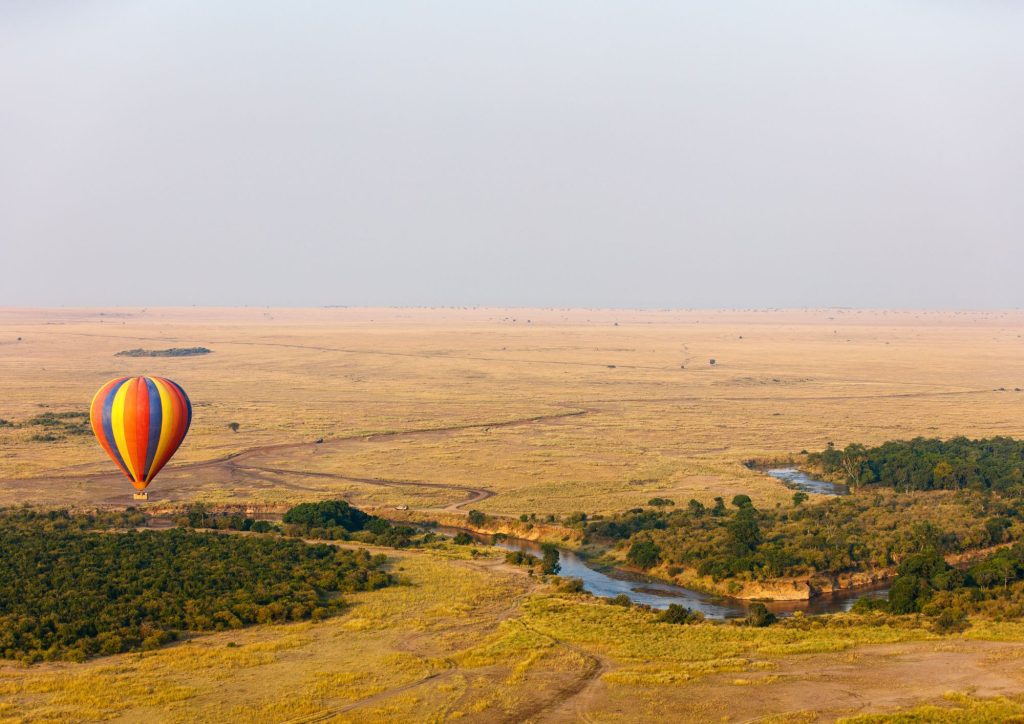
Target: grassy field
x,y
469,639
511,412
441,382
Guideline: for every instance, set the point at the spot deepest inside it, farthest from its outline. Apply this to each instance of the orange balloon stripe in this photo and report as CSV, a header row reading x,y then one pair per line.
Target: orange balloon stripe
x,y
141,436
130,454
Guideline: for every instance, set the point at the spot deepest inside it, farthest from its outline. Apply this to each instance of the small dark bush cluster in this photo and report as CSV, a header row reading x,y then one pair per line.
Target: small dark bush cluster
x,y
172,352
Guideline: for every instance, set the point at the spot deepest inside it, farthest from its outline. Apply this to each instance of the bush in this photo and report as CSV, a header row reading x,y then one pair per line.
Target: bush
x,y
572,585
327,514
621,600
477,518
677,614
644,554
549,564
759,616
520,558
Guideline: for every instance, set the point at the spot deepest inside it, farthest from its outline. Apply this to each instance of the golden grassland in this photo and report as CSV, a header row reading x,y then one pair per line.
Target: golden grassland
x,y
469,639
783,382
511,412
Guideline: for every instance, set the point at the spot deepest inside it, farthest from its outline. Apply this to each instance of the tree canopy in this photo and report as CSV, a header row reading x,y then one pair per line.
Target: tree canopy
x,y
69,592
928,464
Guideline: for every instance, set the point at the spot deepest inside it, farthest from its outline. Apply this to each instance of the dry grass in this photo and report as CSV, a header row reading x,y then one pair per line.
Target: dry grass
x,y
467,639
474,640
784,381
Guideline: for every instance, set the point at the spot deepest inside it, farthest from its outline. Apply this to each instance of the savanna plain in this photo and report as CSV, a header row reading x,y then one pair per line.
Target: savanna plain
x,y
533,419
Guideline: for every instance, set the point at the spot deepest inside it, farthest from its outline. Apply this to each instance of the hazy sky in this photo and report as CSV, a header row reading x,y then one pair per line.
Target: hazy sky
x,y
549,153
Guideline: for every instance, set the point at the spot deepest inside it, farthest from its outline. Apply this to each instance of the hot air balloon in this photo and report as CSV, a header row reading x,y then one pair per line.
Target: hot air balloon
x,y
140,422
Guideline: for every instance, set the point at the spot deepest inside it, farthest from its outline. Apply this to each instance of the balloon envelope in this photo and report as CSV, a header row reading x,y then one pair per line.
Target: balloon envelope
x,y
140,422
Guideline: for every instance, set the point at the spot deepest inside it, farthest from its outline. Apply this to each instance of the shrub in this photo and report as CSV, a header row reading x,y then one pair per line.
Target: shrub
x,y
644,554
549,564
327,514
572,585
477,518
759,616
677,614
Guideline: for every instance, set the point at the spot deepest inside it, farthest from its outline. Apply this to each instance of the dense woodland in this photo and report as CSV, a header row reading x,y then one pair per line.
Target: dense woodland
x,y
927,464
70,590
844,534
992,587
324,520
909,498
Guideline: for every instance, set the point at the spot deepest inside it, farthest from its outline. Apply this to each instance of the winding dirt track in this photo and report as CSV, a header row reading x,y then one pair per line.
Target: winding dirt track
x,y
255,463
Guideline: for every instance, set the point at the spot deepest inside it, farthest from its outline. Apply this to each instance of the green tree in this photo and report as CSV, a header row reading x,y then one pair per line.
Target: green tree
x,y
327,514
742,501
644,553
549,563
744,530
758,615
477,518
679,615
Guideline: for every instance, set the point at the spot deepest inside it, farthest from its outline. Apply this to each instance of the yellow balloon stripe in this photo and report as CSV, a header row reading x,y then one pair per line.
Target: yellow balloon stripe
x,y
168,411
117,418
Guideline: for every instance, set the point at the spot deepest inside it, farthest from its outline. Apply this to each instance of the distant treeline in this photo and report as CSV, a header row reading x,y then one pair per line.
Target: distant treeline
x,y
928,464
172,352
70,592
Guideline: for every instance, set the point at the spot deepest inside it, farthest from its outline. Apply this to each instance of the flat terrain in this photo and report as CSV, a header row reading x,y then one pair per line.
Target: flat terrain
x,y
547,411
511,412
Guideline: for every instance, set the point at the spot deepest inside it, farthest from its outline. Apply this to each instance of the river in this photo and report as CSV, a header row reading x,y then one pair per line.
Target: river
x,y
657,594
799,480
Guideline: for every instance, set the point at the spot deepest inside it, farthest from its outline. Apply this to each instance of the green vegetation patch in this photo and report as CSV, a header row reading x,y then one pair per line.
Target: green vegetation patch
x,y
70,593
861,532
928,464
54,426
172,352
324,520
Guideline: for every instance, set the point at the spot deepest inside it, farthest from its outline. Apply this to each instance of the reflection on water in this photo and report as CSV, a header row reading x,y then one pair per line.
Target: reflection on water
x,y
798,480
659,595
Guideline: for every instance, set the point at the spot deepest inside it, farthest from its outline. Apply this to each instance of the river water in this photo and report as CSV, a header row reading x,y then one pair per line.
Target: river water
x,y
798,480
657,594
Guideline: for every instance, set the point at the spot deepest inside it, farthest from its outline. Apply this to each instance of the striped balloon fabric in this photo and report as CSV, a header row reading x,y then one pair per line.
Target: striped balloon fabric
x,y
140,422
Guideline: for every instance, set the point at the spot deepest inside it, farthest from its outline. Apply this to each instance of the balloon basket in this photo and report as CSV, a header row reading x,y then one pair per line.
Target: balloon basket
x,y
140,496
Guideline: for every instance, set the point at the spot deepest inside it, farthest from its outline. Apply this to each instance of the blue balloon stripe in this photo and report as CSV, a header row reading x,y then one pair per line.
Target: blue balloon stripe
x,y
108,426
